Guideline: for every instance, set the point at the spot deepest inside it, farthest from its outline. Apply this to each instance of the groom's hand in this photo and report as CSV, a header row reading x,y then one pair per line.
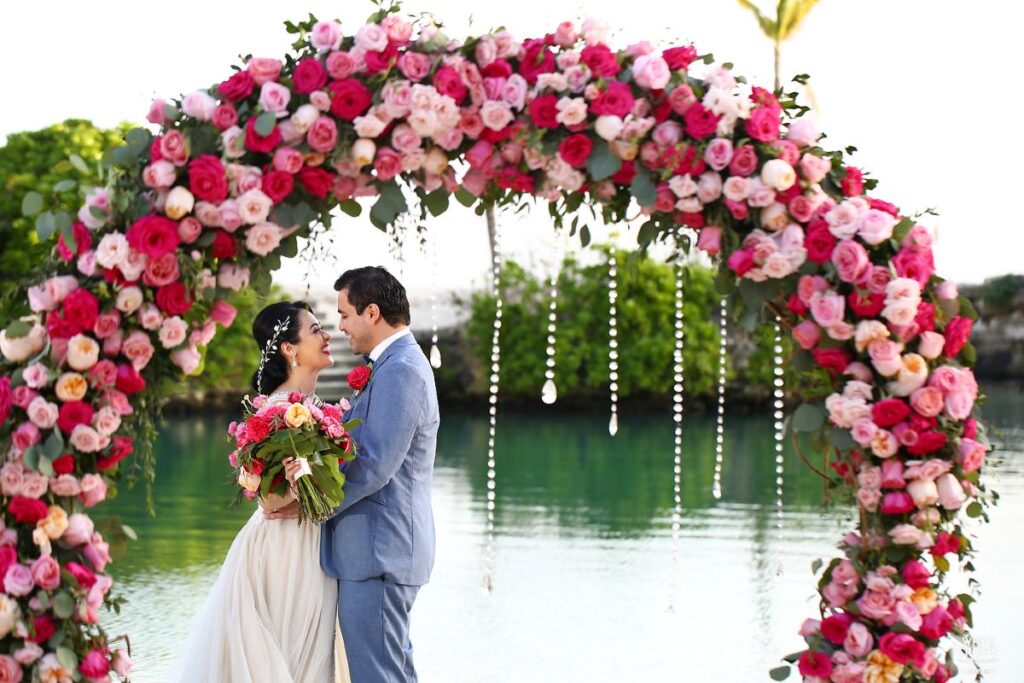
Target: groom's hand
x,y
289,511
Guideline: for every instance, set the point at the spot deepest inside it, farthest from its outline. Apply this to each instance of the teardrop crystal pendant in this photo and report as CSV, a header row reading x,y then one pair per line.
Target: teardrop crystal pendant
x,y
549,394
613,424
435,354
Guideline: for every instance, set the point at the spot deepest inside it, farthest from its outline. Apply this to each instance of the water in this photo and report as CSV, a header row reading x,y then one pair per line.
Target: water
x,y
589,585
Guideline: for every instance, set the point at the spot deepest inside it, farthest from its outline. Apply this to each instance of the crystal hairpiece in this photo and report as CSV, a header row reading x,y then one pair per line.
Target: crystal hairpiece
x,y
279,328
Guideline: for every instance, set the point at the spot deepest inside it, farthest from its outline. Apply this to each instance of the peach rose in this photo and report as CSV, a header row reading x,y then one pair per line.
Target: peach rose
x,y
71,386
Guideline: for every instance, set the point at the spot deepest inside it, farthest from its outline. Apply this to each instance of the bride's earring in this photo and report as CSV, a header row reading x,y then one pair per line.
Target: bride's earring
x,y
295,363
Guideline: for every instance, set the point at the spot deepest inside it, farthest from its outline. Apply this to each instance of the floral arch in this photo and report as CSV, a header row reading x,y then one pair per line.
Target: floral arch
x,y
405,117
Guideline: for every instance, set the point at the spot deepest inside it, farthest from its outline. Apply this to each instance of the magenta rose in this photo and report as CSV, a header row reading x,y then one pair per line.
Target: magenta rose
x,y
902,649
679,58
255,142
129,381
889,412
702,122
575,150
447,81
741,261
601,61
957,333
174,299
763,124
236,88
350,98
897,503
309,75
207,179
819,242
913,265
916,574
94,665
851,261
815,664
316,181
835,626
936,623
153,235
6,398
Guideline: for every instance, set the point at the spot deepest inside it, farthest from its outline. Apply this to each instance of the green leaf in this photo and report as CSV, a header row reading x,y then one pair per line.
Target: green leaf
x,y
841,439
584,236
139,140
45,466
648,231
808,418
54,445
941,563
65,185
17,329
602,163
31,203
967,309
265,123
63,224
437,202
45,226
465,197
780,673
31,457
974,509
643,189
816,565
901,229
67,657
351,207
79,163
63,605
969,354
130,532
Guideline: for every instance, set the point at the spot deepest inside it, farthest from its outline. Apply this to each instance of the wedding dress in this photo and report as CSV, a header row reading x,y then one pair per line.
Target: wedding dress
x,y
272,614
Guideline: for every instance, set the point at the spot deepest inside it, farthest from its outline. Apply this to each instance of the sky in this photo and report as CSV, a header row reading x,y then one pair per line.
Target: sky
x,y
925,89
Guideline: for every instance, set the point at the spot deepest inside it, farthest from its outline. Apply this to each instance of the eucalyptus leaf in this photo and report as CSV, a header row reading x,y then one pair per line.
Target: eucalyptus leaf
x,y
465,197
351,207
265,123
437,202
648,231
643,189
808,418
45,225
65,185
31,203
584,236
780,673
63,605
602,163
17,329
79,163
67,658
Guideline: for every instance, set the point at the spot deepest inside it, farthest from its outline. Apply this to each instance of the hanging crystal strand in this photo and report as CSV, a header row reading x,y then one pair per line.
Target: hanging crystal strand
x,y
716,489
394,237
435,352
779,416
613,341
677,409
549,394
488,580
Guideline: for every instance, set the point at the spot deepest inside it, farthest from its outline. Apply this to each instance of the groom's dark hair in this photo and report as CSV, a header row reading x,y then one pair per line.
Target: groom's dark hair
x,y
375,285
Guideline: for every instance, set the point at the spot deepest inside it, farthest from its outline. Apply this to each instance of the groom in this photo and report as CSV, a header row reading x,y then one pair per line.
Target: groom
x,y
380,543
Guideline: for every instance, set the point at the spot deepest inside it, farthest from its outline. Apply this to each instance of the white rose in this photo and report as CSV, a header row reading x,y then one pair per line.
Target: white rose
x,y
19,349
129,300
363,152
778,174
608,126
304,117
179,203
9,614
83,352
436,161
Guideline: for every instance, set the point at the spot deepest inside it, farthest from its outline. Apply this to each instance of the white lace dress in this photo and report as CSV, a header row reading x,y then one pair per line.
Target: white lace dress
x,y
272,614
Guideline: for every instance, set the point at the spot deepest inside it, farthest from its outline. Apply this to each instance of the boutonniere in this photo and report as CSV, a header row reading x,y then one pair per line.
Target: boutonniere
x,y
359,378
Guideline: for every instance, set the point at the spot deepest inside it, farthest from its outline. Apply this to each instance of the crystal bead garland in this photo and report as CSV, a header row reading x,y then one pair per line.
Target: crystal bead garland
x,y
613,342
488,580
779,416
716,488
435,352
677,410
549,394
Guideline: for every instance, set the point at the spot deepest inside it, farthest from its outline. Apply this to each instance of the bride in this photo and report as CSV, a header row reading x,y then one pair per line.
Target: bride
x,y
272,613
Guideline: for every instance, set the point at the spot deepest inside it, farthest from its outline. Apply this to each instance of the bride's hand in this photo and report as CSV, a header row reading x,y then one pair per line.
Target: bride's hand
x,y
292,467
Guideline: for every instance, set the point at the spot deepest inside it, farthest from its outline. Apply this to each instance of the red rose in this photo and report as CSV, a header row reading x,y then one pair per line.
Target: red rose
x,y
925,317
815,664
537,60
80,309
27,510
970,428
8,556
957,332
897,503
741,261
83,575
881,205
223,245
173,299
207,179
889,412
739,210
72,414
153,235
543,111
700,122
83,240
763,124
499,68
833,360
377,61
351,98
693,220
309,75
852,183
927,443
919,423
679,58
575,150
316,181
616,100
447,81
120,448
956,608
44,629
65,464
834,627
57,327
866,304
796,305
257,466
691,163
625,174
902,649
277,185
945,543
936,623
601,61
254,142
916,575
359,377
6,398
129,381
763,98
236,88
256,429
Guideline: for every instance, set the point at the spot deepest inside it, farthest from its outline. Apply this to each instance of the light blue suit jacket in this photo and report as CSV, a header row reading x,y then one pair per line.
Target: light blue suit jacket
x,y
385,525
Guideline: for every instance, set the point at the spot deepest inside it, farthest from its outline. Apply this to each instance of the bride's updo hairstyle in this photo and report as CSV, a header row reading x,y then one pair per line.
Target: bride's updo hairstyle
x,y
274,325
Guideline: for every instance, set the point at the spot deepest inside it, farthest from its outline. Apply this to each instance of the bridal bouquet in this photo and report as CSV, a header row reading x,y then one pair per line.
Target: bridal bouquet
x,y
272,432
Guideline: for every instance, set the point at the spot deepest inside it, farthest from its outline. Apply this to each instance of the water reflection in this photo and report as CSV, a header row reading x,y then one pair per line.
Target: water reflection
x,y
584,551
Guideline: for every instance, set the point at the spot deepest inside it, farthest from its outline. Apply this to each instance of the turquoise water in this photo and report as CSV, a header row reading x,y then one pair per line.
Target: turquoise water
x,y
588,582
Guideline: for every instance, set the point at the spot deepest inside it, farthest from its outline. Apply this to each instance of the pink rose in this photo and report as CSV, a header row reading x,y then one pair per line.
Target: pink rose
x,y
803,132
851,261
326,36
858,642
807,334
971,454
814,168
187,358
25,436
947,291
42,413
827,309
950,493
86,439
927,401
875,227
18,580
959,404
930,345
46,573
263,69
138,349
94,491
885,356
323,134
65,486
719,153
709,240
79,531
223,313
36,376
118,401
864,431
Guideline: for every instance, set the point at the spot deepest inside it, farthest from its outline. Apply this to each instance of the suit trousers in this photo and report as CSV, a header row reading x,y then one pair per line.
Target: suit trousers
x,y
374,619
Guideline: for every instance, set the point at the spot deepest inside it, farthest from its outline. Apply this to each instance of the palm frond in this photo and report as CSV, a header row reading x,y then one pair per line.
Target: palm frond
x,y
792,13
768,26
